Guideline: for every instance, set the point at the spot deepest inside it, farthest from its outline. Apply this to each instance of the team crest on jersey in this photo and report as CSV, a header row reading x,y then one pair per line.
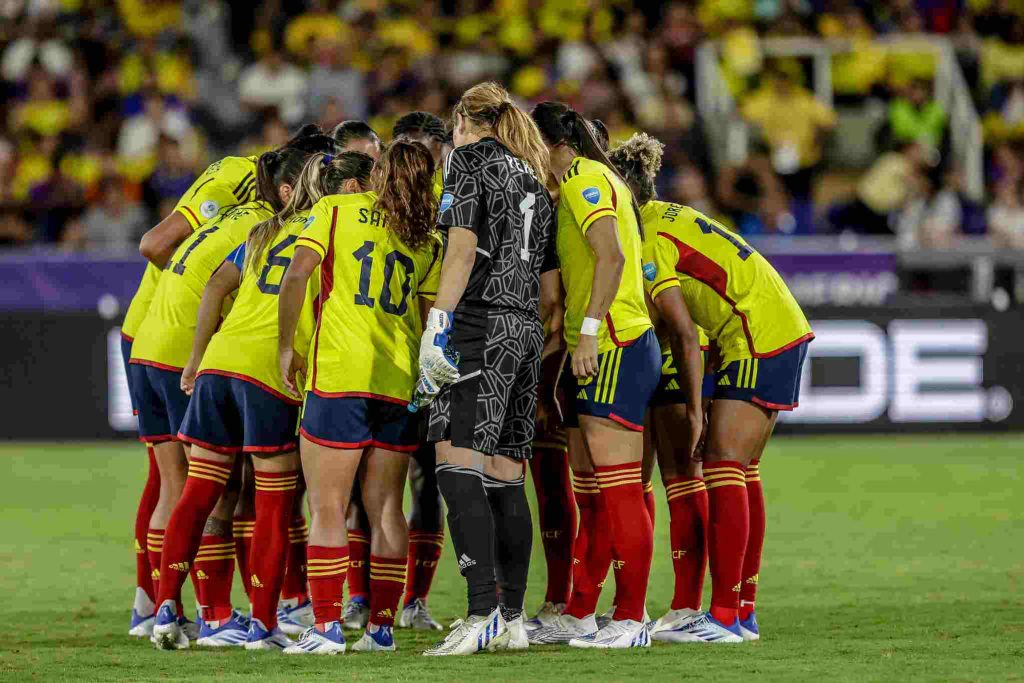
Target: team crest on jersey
x,y
447,199
650,271
592,195
209,208
309,222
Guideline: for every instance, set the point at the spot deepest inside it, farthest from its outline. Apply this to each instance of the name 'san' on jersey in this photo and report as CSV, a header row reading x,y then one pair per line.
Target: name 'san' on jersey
x,y
495,194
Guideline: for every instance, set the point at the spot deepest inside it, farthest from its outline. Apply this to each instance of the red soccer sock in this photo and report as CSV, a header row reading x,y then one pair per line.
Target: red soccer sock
x,y
688,520
242,528
556,508
154,548
147,503
294,587
214,569
755,542
728,528
421,564
649,501
274,494
588,550
387,579
205,482
359,565
326,568
631,535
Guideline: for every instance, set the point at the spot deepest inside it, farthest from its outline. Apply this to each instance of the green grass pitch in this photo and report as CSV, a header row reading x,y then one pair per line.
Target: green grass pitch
x,y
898,558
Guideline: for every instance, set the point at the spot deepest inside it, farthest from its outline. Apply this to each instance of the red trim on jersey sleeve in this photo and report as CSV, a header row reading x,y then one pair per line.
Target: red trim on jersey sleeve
x,y
154,364
127,338
625,423
252,380
303,238
593,216
223,450
359,394
326,286
615,198
195,222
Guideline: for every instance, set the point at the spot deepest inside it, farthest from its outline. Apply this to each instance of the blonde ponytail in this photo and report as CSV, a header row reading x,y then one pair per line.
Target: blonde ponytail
x,y
489,106
322,175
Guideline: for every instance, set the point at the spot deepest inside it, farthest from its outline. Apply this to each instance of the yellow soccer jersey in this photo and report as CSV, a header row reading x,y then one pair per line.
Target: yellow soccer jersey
x,y
366,340
730,289
590,191
224,183
165,336
245,346
660,275
139,306
439,182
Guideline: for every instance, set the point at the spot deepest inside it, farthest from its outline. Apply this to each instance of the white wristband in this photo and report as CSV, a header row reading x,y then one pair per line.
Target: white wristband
x,y
590,326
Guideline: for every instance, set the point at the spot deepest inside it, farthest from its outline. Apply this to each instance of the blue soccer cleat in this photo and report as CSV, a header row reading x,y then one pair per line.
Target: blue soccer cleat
x,y
748,628
703,628
262,638
315,642
357,613
375,639
232,632
167,631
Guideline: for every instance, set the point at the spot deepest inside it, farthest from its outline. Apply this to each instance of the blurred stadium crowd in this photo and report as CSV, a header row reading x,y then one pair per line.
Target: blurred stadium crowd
x,y
110,108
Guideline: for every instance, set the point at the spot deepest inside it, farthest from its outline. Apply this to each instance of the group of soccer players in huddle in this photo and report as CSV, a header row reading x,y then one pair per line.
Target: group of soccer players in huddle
x,y
337,317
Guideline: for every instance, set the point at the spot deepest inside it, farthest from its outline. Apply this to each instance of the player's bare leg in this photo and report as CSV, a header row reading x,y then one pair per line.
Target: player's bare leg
x,y
382,481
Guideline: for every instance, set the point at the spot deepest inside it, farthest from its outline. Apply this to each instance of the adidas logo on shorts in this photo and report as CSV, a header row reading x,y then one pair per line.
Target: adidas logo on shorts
x,y
466,561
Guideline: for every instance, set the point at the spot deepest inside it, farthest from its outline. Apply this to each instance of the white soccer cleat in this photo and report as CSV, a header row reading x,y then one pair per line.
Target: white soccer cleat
x,y
356,614
673,620
563,630
618,635
231,633
167,631
417,616
143,616
473,634
314,642
609,616
702,628
546,616
294,618
262,638
517,639
375,639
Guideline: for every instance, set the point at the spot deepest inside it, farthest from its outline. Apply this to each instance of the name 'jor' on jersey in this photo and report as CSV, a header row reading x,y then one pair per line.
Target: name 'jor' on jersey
x,y
496,195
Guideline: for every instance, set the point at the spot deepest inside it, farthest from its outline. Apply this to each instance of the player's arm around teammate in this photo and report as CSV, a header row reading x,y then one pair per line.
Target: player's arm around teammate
x,y
615,368
376,251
